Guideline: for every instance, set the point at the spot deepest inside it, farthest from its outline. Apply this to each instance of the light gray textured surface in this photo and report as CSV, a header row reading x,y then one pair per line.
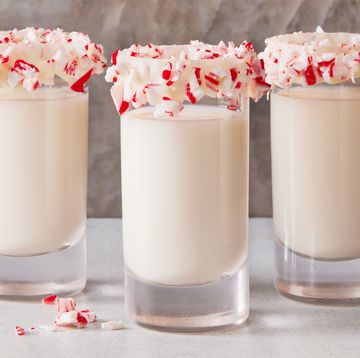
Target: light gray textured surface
x,y
277,327
119,23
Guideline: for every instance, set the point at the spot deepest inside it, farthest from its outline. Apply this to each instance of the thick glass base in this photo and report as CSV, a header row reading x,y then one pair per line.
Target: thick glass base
x,y
30,277
316,281
188,309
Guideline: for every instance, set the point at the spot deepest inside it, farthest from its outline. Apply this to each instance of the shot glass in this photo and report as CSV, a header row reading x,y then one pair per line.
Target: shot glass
x,y
185,183
315,167
43,157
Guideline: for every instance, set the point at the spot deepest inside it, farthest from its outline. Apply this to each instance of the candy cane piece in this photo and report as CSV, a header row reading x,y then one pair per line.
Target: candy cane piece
x,y
65,305
20,331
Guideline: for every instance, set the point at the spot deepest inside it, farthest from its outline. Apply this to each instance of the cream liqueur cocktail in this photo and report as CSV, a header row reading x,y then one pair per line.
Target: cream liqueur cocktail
x,y
43,159
184,156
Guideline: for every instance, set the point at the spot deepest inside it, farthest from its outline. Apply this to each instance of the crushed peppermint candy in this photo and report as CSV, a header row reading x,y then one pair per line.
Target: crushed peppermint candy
x,y
33,57
69,317
168,76
309,59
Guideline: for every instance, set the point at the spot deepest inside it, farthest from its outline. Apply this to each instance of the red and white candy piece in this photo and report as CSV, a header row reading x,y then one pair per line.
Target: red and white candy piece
x,y
65,305
25,74
20,331
88,315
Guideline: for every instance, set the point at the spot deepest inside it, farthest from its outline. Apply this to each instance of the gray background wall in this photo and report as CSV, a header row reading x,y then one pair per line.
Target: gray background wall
x,y
119,23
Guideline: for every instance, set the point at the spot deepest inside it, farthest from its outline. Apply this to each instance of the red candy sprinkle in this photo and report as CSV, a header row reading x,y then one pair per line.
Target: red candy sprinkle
x,y
81,319
49,300
233,73
166,74
70,68
36,85
113,57
190,95
123,107
310,75
4,59
78,86
212,80
261,81
197,75
248,45
20,331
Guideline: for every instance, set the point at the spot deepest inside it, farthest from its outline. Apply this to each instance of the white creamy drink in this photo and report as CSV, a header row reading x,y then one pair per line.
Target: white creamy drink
x,y
185,194
43,161
316,170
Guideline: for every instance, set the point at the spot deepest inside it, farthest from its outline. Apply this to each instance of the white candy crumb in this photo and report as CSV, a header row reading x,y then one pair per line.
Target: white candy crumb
x,y
319,29
49,328
112,325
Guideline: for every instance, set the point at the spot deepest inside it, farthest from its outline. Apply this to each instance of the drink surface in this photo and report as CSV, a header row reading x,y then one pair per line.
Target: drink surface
x,y
185,194
316,170
43,161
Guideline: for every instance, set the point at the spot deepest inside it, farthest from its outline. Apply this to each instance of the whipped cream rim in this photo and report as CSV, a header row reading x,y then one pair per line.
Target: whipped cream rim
x,y
168,75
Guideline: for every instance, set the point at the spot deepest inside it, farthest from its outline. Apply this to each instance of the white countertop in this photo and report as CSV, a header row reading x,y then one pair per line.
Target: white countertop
x,y
277,327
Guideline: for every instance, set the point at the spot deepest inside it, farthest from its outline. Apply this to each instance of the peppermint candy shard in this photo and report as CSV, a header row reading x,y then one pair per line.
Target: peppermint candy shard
x,y
20,331
89,316
49,300
114,56
65,305
79,85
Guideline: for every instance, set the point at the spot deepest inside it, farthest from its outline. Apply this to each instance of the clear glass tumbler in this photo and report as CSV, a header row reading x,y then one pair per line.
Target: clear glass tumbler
x,y
316,191
43,185
185,217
